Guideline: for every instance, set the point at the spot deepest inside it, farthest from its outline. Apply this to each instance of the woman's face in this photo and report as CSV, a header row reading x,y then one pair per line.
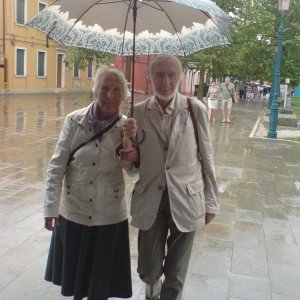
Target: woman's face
x,y
213,83
109,95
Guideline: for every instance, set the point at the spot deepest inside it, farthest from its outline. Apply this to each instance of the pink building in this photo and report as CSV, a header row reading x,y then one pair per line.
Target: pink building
x,y
141,82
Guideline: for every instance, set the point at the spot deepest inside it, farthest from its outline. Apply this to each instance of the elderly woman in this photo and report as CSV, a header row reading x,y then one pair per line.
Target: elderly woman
x,y
85,203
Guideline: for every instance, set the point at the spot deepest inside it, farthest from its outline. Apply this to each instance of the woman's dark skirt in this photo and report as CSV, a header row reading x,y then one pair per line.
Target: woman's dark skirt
x,y
91,262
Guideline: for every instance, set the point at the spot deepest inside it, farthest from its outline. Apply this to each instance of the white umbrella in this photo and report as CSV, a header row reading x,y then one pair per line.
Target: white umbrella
x,y
135,27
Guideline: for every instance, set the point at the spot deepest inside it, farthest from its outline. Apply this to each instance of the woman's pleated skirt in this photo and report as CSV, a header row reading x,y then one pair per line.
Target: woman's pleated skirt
x,y
92,262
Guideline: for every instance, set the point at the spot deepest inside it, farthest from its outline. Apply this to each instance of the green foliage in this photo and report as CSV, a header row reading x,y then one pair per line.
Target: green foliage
x,y
81,56
254,38
296,101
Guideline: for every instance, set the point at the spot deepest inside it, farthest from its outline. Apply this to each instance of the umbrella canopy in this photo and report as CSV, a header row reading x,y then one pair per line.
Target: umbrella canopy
x,y
135,27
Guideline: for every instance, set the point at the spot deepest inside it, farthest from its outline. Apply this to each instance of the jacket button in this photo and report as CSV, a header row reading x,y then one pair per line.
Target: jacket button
x,y
166,148
68,193
97,145
90,129
167,167
94,164
91,200
160,187
91,182
90,217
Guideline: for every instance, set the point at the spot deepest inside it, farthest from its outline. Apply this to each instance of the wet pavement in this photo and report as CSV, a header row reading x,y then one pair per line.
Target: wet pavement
x,y
250,251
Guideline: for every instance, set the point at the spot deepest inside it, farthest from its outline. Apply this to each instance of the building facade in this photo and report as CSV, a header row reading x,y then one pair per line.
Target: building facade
x,y
31,63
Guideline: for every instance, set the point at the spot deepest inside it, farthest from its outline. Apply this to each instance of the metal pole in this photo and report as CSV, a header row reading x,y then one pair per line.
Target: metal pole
x,y
134,13
4,43
192,79
273,76
273,121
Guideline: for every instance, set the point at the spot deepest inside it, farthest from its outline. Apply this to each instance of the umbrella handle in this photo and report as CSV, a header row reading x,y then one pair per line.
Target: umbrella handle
x,y
136,142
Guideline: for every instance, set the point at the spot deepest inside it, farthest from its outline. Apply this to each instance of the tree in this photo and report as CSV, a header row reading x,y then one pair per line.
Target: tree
x,y
254,32
80,56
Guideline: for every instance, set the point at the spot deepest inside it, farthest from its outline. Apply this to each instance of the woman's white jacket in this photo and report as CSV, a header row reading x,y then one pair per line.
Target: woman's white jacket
x,y
91,190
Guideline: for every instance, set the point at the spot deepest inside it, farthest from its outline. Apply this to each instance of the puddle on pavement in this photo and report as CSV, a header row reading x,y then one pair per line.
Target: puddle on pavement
x,y
30,125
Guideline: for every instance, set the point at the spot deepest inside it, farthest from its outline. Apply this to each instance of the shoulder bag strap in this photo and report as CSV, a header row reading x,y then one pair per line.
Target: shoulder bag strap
x,y
230,93
193,121
196,134
98,134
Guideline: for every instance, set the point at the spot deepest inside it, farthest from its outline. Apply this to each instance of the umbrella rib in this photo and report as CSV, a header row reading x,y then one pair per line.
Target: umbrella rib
x,y
173,25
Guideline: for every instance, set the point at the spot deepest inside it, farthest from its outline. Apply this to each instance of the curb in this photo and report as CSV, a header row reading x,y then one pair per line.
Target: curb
x,y
252,134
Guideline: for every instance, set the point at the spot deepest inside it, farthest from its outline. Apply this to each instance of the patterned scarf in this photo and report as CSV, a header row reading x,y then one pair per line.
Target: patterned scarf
x,y
94,117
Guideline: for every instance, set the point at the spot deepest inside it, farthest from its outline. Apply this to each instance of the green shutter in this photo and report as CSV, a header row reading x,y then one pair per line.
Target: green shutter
x,y
20,62
41,63
21,11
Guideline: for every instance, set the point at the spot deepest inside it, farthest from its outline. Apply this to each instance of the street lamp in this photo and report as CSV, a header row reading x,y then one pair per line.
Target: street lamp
x,y
283,7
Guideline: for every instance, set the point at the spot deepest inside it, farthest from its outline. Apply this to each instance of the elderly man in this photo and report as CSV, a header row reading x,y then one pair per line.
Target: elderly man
x,y
227,94
177,189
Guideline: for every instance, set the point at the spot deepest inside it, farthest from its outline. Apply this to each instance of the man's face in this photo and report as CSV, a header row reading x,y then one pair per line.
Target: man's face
x,y
165,79
109,95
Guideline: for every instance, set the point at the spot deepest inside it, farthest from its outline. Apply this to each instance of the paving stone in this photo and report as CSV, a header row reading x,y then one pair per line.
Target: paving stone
x,y
250,251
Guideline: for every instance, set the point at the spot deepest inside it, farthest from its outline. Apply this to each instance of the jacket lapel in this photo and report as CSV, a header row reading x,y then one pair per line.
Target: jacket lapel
x,y
179,121
155,120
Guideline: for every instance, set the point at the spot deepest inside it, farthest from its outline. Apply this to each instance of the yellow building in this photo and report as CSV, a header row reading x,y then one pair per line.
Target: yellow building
x,y
29,63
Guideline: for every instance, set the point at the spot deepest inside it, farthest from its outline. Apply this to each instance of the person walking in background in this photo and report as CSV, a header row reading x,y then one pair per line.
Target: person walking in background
x,y
249,92
212,100
255,92
85,203
177,189
242,91
227,94
260,91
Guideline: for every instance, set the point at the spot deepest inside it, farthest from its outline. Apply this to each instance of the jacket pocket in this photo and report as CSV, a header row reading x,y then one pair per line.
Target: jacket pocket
x,y
195,187
115,202
196,199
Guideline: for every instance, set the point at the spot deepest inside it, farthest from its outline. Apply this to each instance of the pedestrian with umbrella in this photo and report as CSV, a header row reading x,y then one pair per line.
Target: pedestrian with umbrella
x,y
177,27
85,204
177,190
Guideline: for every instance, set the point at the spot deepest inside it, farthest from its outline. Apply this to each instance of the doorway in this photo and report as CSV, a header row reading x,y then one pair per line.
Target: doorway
x,y
60,71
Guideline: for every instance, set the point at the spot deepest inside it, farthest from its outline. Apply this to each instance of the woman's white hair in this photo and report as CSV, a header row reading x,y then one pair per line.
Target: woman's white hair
x,y
102,72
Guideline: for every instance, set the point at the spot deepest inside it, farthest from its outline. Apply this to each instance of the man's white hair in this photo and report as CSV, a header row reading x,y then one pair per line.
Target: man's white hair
x,y
161,57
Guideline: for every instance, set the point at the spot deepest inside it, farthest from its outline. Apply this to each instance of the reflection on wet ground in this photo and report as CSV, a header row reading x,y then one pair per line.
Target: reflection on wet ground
x,y
29,126
251,251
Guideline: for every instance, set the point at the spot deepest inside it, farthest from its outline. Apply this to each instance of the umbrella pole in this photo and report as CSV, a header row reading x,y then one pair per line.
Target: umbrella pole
x,y
135,141
134,13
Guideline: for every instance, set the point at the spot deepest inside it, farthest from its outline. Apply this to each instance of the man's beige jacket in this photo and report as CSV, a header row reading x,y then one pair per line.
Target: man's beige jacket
x,y
175,165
